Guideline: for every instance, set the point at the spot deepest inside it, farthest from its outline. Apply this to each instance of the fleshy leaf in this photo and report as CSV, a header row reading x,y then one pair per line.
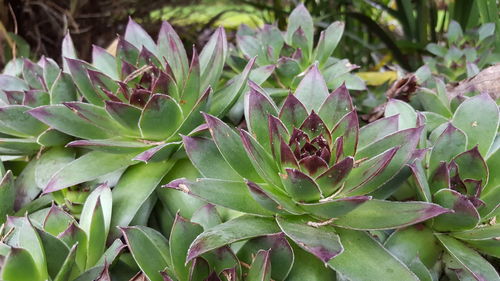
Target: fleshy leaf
x,y
104,61
257,109
465,215
281,253
300,18
230,194
260,270
348,128
407,115
230,146
261,160
377,130
133,181
367,171
160,117
63,119
471,165
138,37
182,234
125,114
361,247
480,126
240,228
149,249
85,169
312,90
476,265
171,48
336,105
20,266
414,241
300,186
449,144
292,113
333,178
205,156
212,58
328,41
335,207
380,214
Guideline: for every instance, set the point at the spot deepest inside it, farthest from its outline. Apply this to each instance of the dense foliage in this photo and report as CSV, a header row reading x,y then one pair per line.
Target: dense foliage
x,y
245,163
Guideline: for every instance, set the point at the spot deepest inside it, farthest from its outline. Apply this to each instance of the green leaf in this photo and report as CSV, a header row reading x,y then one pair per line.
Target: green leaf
x,y
206,216
454,32
30,240
86,168
407,115
78,70
67,50
407,141
224,99
486,30
308,267
102,194
281,253
212,58
15,117
7,195
138,37
328,41
134,182
260,270
182,235
160,109
73,235
312,90
465,215
292,113
450,143
55,249
240,228
471,165
322,241
230,146
63,89
57,220
149,249
105,62
377,130
63,119
20,266
96,233
300,18
380,214
482,238
205,156
480,126
373,261
431,102
334,208
50,162
412,242
261,160
230,194
258,107
476,265
171,48
67,266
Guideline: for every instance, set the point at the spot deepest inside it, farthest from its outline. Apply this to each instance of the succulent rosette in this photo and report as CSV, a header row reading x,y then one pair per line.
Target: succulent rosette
x,y
459,172
38,84
307,170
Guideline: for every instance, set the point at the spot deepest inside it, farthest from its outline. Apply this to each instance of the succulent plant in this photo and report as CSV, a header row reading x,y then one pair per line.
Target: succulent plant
x,y
41,83
307,170
293,51
288,54
459,172
464,54
51,245
133,107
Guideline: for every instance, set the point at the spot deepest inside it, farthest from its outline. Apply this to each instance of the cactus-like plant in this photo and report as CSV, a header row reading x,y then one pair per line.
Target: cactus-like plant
x,y
459,172
307,170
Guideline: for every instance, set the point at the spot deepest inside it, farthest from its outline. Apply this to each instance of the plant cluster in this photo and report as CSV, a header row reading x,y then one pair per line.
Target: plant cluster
x,y
126,168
